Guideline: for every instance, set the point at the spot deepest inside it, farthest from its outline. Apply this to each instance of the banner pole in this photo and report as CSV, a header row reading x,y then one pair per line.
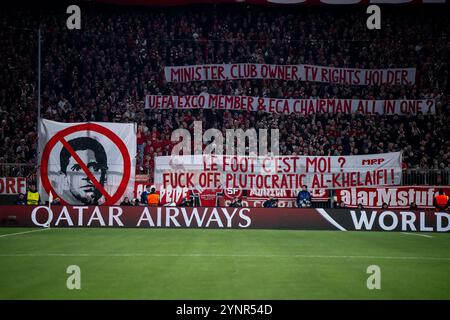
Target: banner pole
x,y
38,164
39,75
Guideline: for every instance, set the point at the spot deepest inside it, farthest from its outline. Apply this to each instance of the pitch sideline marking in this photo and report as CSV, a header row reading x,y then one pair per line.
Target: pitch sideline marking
x,y
418,234
17,233
215,255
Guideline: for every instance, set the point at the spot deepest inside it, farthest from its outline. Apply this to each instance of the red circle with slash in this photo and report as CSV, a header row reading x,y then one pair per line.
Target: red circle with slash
x,y
60,137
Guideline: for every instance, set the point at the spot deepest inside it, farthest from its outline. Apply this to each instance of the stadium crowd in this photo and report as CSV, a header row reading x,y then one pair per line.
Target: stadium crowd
x,y
103,72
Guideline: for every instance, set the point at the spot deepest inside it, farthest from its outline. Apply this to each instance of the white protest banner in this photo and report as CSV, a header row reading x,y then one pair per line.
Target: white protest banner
x,y
301,72
277,172
87,163
288,106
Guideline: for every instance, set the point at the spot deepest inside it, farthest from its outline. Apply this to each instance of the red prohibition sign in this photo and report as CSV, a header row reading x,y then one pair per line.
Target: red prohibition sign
x,y
60,137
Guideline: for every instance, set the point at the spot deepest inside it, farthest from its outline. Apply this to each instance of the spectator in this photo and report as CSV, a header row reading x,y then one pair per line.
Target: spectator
x,y
441,201
20,200
413,206
235,203
304,198
341,205
271,203
126,202
33,197
145,194
185,202
384,206
153,197
360,206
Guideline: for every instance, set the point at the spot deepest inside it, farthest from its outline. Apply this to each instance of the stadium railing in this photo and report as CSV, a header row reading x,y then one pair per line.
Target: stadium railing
x,y
18,170
428,177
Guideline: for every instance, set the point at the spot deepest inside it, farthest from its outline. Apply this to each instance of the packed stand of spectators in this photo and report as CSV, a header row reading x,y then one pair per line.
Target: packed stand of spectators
x,y
103,72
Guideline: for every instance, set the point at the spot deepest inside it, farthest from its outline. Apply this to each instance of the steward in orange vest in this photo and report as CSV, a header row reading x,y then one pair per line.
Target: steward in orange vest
x,y
441,201
153,198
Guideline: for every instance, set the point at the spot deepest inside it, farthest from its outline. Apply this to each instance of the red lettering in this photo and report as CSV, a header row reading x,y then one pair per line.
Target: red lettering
x,y
10,185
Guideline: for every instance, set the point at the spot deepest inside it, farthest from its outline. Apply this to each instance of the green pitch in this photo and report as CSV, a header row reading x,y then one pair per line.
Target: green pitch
x,y
222,264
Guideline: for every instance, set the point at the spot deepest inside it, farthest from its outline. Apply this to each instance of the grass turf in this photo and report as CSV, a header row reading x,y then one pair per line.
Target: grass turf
x,y
222,264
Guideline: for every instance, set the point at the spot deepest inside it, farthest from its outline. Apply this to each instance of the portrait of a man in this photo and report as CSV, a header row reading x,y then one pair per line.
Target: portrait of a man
x,y
79,187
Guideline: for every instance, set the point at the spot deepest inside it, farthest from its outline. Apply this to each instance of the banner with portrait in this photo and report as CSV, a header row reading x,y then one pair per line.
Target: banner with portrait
x,y
88,162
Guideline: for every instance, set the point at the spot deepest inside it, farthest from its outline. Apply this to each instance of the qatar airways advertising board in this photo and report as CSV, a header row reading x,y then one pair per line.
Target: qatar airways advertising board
x,y
225,218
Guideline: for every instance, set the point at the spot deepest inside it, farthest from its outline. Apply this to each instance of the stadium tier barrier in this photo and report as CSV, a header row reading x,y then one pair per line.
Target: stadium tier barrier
x,y
225,218
24,170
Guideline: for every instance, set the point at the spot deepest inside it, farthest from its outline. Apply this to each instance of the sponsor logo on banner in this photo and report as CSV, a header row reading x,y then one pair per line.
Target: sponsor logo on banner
x,y
13,185
87,163
398,197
